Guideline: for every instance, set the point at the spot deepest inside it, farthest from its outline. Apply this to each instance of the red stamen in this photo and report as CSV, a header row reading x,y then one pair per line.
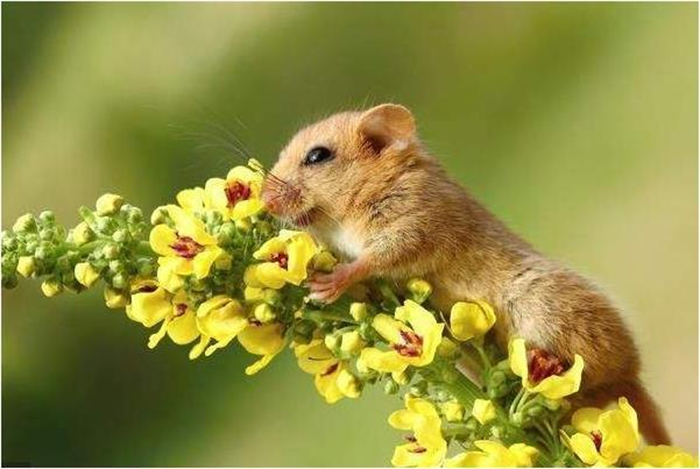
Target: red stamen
x,y
281,258
180,309
410,438
597,438
330,370
418,449
235,192
186,247
254,322
411,345
147,289
542,364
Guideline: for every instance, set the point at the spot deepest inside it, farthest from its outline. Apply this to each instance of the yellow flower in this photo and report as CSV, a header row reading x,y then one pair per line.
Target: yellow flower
x,y
351,342
661,456
180,324
192,200
471,319
187,249
426,447
262,339
331,377
26,266
543,373
149,303
286,257
414,345
603,436
86,274
483,411
453,411
220,318
237,196
494,454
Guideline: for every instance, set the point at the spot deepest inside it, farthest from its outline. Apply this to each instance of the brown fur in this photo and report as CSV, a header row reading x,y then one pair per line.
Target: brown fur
x,y
406,217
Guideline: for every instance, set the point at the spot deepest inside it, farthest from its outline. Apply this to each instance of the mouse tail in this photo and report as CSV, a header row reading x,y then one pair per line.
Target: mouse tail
x,y
651,424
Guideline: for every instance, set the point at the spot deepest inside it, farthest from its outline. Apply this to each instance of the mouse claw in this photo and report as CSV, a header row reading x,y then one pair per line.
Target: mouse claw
x,y
327,288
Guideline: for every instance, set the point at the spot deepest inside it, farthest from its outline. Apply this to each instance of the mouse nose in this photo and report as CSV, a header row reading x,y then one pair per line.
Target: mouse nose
x,y
272,198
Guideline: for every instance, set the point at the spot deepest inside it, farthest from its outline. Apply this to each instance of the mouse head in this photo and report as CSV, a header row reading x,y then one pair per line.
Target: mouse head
x,y
326,166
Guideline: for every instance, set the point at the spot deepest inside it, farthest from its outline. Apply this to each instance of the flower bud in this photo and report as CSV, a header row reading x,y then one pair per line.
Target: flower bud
x,y
86,274
420,289
391,387
496,378
517,418
535,411
227,232
358,311
348,384
483,411
471,319
213,217
9,242
106,225
120,281
9,280
115,298
304,328
42,253
351,342
447,348
110,251
47,217
108,204
51,288
453,411
419,389
26,266
243,225
552,404
82,234
159,216
145,267
134,215
324,262
121,235
24,224
264,313
332,342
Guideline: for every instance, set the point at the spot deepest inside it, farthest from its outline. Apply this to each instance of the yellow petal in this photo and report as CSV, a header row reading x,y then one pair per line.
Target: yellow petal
x,y
199,348
384,362
188,225
192,199
161,238
453,411
517,358
347,384
619,434
183,329
301,249
585,419
246,208
661,456
86,274
584,447
149,308
558,386
326,384
168,279
403,419
314,357
262,340
471,319
388,327
215,189
270,275
203,261
260,364
524,454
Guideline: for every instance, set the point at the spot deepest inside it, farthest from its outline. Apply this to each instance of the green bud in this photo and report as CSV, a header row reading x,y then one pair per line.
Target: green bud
x,y
47,217
46,234
108,204
26,266
305,328
498,430
133,214
110,251
419,389
51,287
25,224
213,217
497,391
518,418
391,387
420,289
497,378
264,228
121,235
471,424
159,216
272,297
351,342
42,253
9,280
116,266
324,262
145,267
244,225
227,232
120,281
9,242
535,411
106,225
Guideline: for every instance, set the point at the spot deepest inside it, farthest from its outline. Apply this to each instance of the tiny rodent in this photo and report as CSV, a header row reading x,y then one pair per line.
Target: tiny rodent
x,y
363,183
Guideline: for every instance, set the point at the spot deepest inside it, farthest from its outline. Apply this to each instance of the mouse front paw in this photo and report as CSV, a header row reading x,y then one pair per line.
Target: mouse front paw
x,y
327,288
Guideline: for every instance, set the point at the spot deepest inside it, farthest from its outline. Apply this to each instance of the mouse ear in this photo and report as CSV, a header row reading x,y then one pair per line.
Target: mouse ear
x,y
387,125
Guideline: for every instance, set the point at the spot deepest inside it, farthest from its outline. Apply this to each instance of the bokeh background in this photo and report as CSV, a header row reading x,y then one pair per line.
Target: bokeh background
x,y
575,123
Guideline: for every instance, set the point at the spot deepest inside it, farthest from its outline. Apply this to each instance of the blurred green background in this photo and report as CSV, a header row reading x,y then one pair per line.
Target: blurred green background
x,y
575,123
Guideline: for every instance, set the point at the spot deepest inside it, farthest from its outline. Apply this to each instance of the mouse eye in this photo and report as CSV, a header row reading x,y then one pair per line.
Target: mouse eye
x,y
317,155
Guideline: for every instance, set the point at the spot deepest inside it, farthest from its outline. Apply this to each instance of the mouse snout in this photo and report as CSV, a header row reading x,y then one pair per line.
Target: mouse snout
x,y
279,198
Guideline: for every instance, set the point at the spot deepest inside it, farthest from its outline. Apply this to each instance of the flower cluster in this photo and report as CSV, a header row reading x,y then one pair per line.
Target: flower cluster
x,y
214,269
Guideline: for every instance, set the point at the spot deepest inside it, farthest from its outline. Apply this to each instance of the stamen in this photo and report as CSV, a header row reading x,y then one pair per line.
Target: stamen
x,y
186,247
411,345
281,258
330,370
180,309
235,192
597,438
542,364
